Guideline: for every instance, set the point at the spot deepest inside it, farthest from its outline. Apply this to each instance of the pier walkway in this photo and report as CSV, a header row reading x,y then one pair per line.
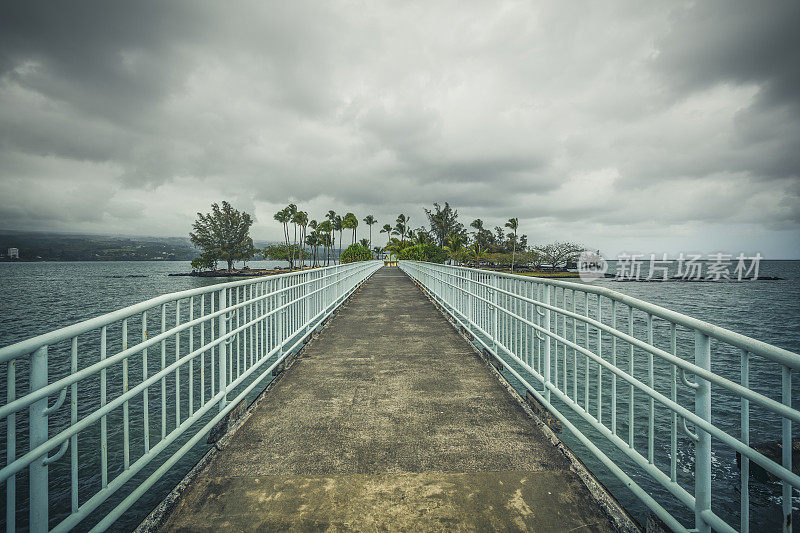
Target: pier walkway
x,y
388,420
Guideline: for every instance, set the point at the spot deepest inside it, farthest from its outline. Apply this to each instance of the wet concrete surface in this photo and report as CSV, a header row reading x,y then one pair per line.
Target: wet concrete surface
x,y
389,420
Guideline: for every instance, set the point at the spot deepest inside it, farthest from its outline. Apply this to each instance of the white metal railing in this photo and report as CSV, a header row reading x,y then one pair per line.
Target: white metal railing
x,y
620,370
151,378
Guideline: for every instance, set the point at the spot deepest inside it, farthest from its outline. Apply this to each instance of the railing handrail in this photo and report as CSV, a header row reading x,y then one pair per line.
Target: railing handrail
x,y
754,346
712,377
259,323
30,345
528,325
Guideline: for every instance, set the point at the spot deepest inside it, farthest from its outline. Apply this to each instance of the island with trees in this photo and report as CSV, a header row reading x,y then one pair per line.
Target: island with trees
x,y
223,236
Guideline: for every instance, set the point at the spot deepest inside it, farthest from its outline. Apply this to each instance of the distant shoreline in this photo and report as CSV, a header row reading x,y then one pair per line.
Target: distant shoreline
x,y
241,273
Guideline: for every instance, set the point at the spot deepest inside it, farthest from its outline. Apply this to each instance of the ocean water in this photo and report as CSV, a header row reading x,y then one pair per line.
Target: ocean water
x,y
39,297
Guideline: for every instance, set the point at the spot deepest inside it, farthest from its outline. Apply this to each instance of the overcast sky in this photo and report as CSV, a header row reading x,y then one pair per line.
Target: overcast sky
x,y
635,126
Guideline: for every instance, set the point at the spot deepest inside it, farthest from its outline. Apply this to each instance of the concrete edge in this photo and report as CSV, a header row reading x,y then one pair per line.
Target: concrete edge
x,y
161,512
619,516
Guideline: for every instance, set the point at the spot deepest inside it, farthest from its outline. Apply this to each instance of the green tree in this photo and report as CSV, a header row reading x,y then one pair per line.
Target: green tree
x,y
482,236
225,233
513,224
476,252
364,243
444,221
395,246
422,236
283,252
423,252
559,253
205,261
455,246
355,252
370,220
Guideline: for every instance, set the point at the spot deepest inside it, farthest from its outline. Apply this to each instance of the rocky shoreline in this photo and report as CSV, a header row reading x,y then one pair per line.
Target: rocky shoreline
x,y
237,273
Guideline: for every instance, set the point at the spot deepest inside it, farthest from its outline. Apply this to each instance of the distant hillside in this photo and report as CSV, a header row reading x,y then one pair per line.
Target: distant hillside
x,y
41,246
75,247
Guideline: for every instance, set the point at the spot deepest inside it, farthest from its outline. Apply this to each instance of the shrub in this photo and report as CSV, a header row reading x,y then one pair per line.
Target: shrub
x,y
205,261
355,252
424,252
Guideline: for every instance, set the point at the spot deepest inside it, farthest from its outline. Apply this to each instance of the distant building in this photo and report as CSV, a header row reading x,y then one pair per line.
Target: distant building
x,y
13,253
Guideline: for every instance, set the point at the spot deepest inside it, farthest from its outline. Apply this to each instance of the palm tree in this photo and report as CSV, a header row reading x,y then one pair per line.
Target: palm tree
x,y
402,225
302,221
327,242
377,250
338,225
292,209
283,217
331,216
325,230
454,246
299,218
350,221
387,229
311,240
313,225
513,224
369,220
476,252
364,243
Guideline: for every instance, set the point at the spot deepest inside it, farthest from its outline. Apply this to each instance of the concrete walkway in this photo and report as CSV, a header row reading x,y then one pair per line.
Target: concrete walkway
x,y
388,421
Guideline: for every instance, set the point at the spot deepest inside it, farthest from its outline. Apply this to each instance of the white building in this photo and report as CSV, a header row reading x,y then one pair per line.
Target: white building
x,y
13,253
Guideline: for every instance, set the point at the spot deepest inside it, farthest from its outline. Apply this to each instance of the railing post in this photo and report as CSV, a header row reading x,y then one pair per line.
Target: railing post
x,y
307,299
280,314
546,355
494,314
223,348
470,300
702,448
39,519
786,448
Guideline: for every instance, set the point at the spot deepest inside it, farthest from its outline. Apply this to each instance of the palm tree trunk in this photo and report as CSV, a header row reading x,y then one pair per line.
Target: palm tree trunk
x,y
514,251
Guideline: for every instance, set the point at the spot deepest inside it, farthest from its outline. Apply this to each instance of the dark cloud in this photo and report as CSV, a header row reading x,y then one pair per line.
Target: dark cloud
x,y
604,124
743,44
736,42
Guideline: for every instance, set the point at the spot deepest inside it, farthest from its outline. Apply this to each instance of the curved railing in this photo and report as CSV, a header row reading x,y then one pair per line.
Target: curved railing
x,y
625,367
145,385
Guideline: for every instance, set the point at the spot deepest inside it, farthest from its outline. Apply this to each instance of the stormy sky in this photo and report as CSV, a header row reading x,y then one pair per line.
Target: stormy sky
x,y
635,126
